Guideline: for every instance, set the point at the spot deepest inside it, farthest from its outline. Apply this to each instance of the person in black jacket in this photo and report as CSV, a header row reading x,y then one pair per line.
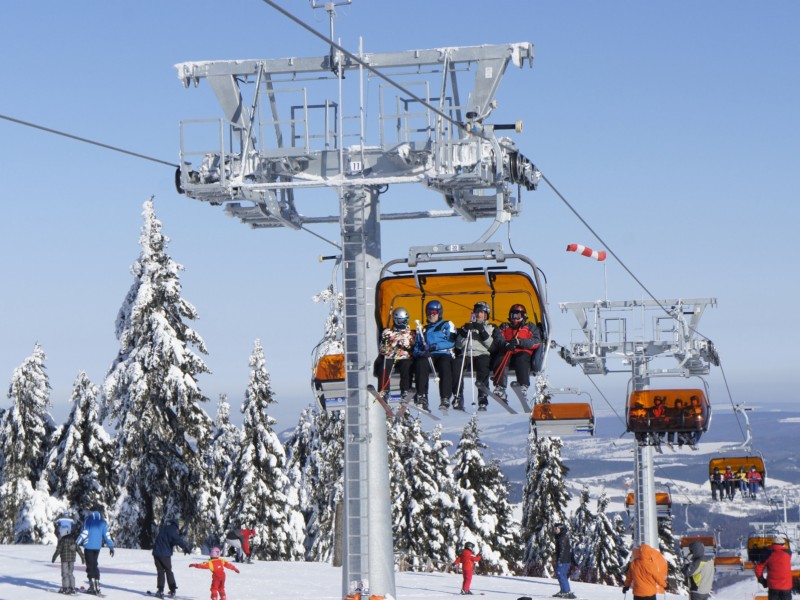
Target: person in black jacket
x,y
168,537
563,560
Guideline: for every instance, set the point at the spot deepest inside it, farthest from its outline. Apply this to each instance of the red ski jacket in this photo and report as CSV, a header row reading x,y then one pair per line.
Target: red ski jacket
x,y
467,559
779,569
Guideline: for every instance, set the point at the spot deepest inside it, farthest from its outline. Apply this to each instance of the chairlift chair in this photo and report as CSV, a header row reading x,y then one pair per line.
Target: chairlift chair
x,y
328,381
459,290
663,503
680,411
736,462
759,542
708,540
559,419
728,562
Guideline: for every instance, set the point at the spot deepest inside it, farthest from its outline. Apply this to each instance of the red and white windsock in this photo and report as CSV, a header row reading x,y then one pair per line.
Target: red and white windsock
x,y
595,254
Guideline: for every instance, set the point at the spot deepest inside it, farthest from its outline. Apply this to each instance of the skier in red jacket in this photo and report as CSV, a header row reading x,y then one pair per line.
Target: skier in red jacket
x,y
467,559
779,571
217,567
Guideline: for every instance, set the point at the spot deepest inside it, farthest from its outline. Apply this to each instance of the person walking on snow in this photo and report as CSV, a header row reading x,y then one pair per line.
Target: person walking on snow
x,y
647,573
67,548
168,537
92,538
467,560
779,571
217,567
699,572
563,560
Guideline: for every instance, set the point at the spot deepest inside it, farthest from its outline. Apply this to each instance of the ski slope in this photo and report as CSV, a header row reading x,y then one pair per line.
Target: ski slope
x,y
28,574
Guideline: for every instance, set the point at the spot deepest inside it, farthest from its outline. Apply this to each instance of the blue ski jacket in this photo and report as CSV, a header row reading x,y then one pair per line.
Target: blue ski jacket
x,y
95,532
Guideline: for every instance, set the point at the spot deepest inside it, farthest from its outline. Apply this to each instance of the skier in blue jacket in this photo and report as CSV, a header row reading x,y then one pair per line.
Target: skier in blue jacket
x,y
92,538
433,347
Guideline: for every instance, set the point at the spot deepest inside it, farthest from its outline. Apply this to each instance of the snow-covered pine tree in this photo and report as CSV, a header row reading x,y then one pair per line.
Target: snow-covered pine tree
x,y
544,503
583,523
325,472
81,467
424,511
25,436
261,496
666,545
485,508
152,394
603,545
223,449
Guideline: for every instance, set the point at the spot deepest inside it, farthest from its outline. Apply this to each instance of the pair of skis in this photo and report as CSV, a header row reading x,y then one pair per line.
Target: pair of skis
x,y
404,406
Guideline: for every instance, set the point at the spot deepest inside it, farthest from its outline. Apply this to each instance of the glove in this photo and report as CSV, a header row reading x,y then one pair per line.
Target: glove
x,y
625,589
464,331
111,551
763,581
54,560
432,348
237,570
187,551
508,346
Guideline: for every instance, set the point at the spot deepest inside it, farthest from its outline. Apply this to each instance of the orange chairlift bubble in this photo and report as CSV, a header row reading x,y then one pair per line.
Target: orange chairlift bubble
x,y
556,419
663,503
328,381
759,542
681,411
459,291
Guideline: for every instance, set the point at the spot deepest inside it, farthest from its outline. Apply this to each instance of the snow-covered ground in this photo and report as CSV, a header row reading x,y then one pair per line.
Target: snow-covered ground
x,y
28,574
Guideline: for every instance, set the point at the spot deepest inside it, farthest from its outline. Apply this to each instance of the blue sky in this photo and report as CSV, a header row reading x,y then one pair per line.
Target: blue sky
x,y
672,127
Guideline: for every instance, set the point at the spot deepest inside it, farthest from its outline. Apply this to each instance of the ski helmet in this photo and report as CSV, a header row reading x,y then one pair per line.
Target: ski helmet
x,y
469,546
400,317
434,307
482,306
214,553
517,314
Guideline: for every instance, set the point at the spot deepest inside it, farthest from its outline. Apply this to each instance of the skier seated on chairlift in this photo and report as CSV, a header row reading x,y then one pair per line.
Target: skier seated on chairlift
x,y
395,354
433,351
474,343
515,343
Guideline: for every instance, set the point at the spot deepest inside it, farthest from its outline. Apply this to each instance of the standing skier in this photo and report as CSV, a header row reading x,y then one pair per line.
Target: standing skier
x,y
779,571
217,567
563,560
168,537
647,573
699,572
67,548
92,538
467,560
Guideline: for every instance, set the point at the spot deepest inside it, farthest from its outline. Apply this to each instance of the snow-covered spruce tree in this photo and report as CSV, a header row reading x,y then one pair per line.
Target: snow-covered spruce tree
x,y
398,436
666,545
485,508
623,541
81,466
261,496
153,397
544,503
325,472
604,546
222,452
583,522
25,435
424,511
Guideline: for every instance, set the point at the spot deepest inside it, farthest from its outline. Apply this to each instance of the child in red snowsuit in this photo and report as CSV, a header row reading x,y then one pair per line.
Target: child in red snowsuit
x,y
467,559
217,567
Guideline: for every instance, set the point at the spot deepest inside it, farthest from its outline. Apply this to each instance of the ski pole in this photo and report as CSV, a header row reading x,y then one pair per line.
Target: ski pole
x,y
425,346
463,362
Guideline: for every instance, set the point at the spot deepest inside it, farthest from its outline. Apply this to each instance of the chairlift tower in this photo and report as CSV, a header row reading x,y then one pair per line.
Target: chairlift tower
x,y
636,332
295,123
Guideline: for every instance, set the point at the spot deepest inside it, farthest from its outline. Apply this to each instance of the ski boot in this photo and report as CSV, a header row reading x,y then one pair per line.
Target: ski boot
x,y
444,404
483,403
421,400
159,594
501,393
458,402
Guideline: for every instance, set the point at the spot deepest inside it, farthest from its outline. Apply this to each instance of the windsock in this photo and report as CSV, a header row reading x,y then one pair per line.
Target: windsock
x,y
595,254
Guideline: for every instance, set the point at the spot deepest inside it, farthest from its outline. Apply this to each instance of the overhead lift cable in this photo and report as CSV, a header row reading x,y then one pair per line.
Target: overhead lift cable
x,y
88,141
